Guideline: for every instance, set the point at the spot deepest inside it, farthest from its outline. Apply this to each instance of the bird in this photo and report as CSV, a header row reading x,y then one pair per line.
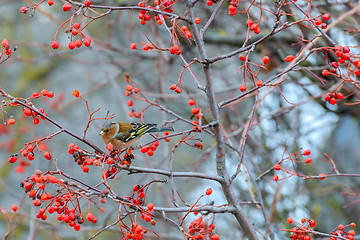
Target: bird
x,y
123,135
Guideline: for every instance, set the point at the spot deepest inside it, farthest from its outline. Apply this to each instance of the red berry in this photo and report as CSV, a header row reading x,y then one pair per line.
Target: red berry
x,y
50,94
312,223
266,59
129,87
66,7
275,177
11,121
308,160
327,97
36,121
259,83
326,17
325,72
130,103
72,45
215,237
290,220
195,110
150,152
197,20
332,101
12,159
14,207
357,72
55,44
208,191
23,10
173,87
318,21
191,102
320,176
150,206
144,149
277,167
306,152
133,46
87,3
50,2
289,58
87,41
242,57
242,88
339,96
47,155
178,90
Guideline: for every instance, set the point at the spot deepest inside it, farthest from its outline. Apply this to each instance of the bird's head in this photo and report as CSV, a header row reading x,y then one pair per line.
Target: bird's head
x,y
109,129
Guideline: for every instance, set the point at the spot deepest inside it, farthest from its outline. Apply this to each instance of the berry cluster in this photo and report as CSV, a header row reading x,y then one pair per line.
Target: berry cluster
x,y
299,233
35,186
232,7
7,50
333,97
319,22
199,230
339,231
253,26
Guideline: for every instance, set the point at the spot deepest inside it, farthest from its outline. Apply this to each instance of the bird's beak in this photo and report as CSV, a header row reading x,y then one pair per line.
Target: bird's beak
x,y
101,133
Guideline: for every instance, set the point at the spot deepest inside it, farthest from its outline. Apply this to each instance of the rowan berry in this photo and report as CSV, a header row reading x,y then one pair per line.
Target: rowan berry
x,y
50,2
289,58
14,207
133,46
66,7
242,57
197,20
259,83
71,45
275,177
208,191
266,59
318,22
306,152
215,237
242,88
312,223
87,41
325,72
332,101
320,176
357,72
194,110
12,159
191,102
87,3
277,167
325,17
308,160
150,206
23,10
178,90
47,155
11,121
290,220
339,95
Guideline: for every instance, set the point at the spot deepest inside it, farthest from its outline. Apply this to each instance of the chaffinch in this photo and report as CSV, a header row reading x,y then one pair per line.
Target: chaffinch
x,y
123,134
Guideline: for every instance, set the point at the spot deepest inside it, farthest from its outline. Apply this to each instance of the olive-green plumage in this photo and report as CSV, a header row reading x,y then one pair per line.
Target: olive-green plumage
x,y
123,134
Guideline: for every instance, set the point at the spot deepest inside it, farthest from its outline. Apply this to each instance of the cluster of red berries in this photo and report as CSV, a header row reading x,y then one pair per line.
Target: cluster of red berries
x,y
145,47
333,97
151,149
319,22
139,199
136,232
35,186
29,113
253,26
343,54
165,5
186,31
232,7
339,231
144,16
299,233
176,88
175,49
6,46
81,158
198,229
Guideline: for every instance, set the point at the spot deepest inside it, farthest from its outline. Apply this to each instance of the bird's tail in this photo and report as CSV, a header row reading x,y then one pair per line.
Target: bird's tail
x,y
161,129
